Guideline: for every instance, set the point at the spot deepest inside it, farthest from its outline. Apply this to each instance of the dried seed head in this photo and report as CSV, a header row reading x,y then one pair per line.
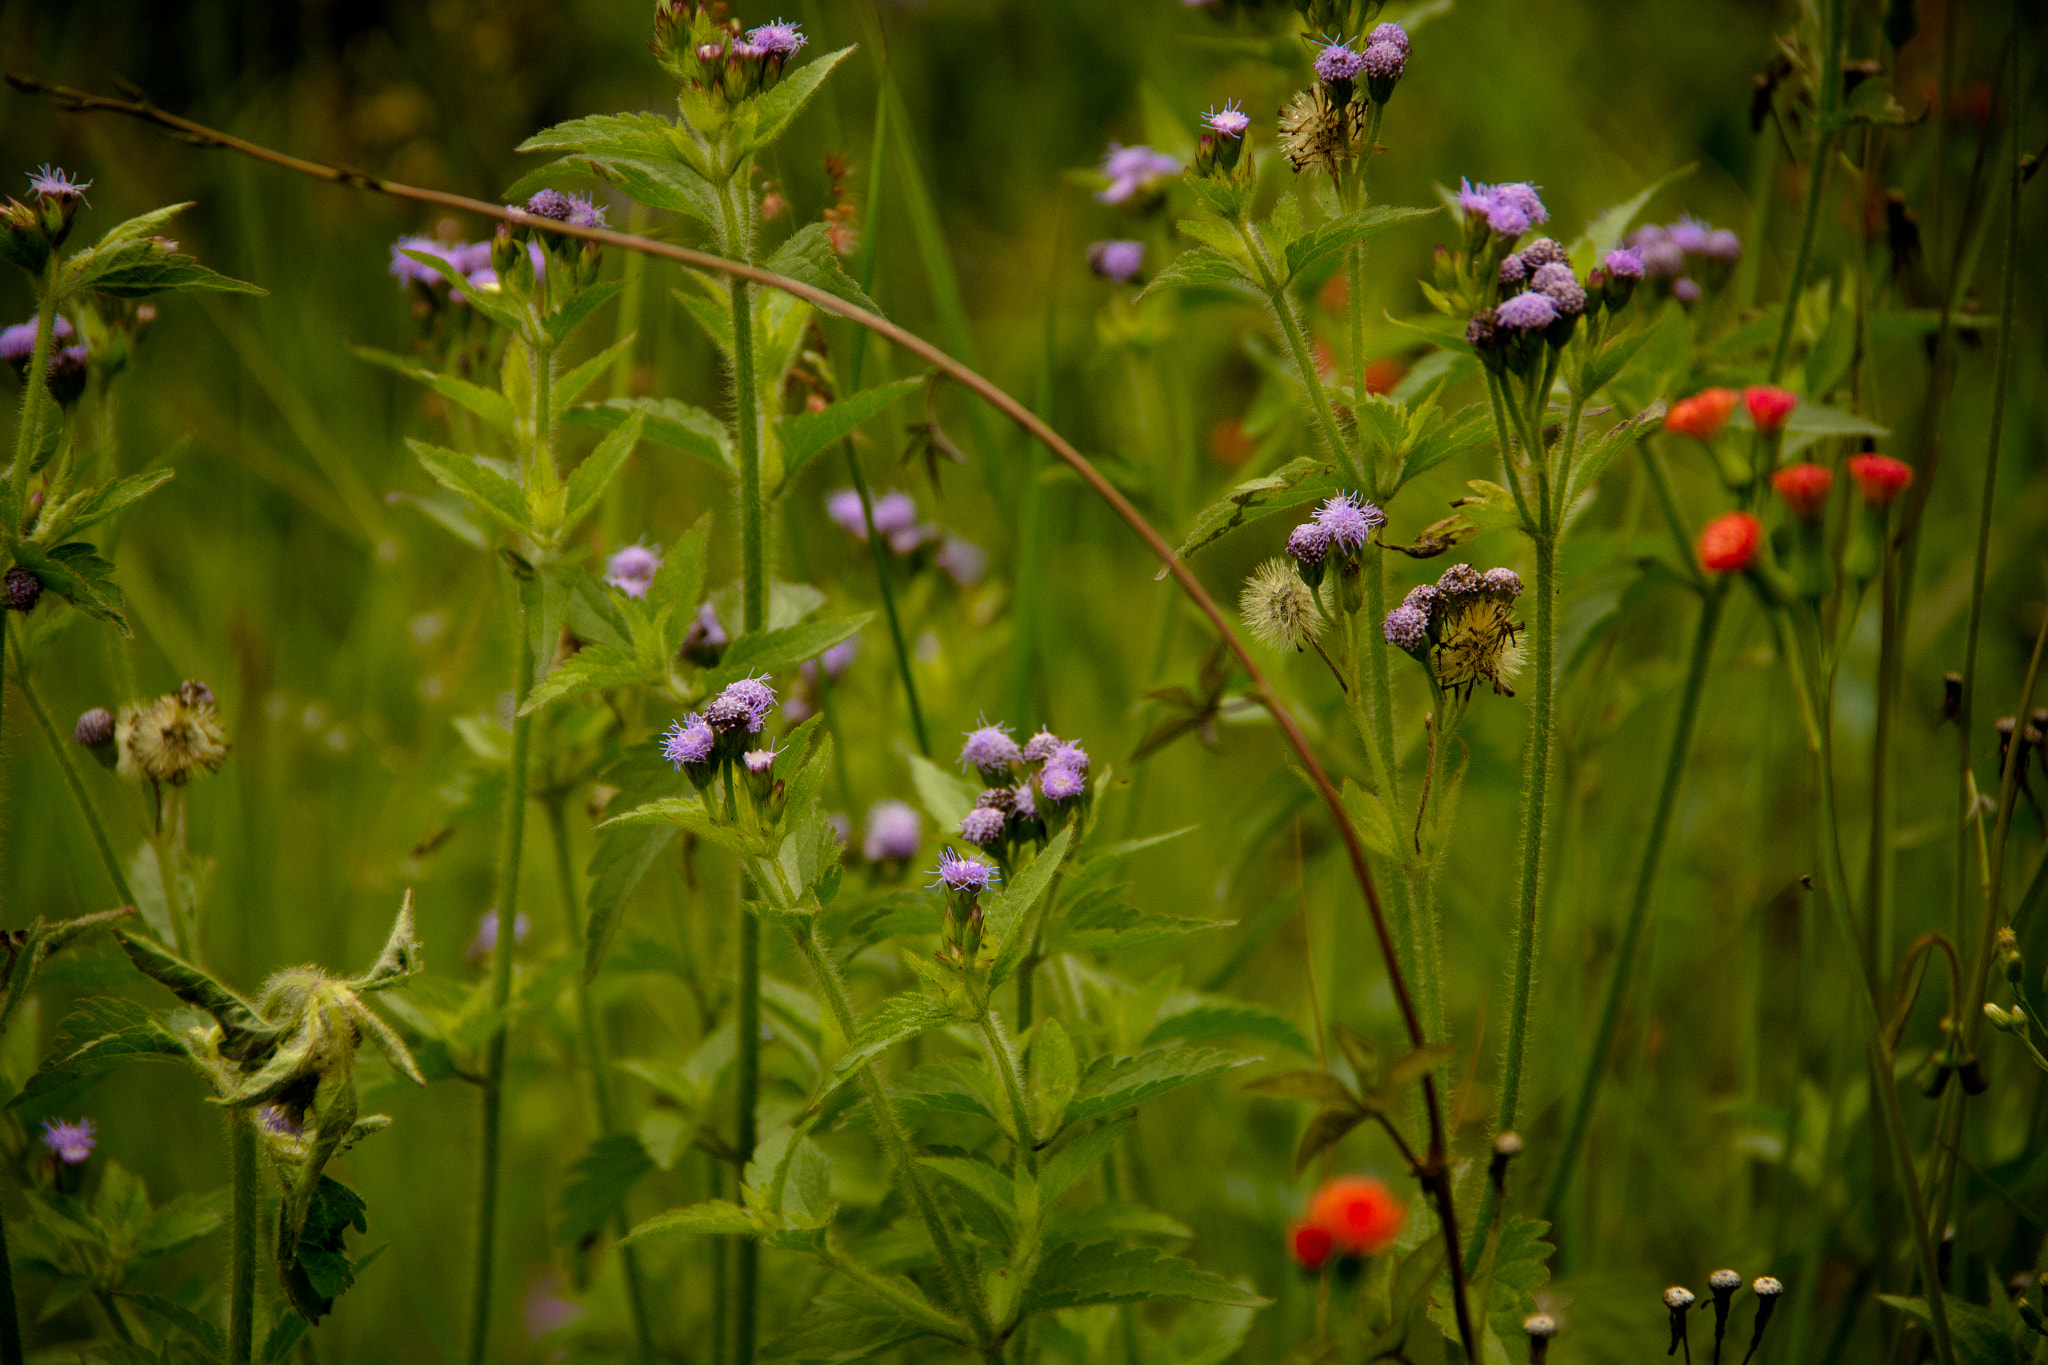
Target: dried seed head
x,y
1540,1325
1278,607
172,737
1724,1282
1678,1298
1767,1287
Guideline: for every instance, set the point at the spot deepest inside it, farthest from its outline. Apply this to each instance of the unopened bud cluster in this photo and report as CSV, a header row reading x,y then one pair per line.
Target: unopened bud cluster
x,y
720,58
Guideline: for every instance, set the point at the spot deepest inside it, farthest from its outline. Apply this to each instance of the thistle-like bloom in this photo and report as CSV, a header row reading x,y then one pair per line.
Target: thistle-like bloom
x,y
1505,584
1349,521
1407,628
50,182
1526,313
1483,330
1541,252
94,728
1231,120
1513,270
18,343
1722,245
72,1143
1690,235
689,742
1389,33
1556,282
1769,406
1660,255
1623,263
894,832
1022,803
1473,200
1383,64
1314,130
1057,784
1308,543
1728,543
777,40
1804,487
1337,64
1520,197
632,570
1880,478
1460,580
1132,171
173,737
565,208
1703,415
983,825
1071,756
760,762
972,874
1117,260
1042,746
743,705
1278,607
990,751
1687,291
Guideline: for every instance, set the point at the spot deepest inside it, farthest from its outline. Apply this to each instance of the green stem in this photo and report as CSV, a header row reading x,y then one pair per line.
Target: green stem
x,y
242,1231
71,778
512,845
1639,902
882,580
1816,191
747,1090
593,1057
1003,1058
1304,363
10,1316
959,1276
746,404
34,396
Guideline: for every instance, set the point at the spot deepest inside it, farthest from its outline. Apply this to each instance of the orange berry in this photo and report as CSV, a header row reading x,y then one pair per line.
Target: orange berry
x,y
1728,543
1703,415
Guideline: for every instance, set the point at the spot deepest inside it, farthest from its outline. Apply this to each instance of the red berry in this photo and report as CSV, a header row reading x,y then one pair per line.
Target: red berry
x,y
1360,1214
1804,487
1703,415
1880,477
1728,543
1769,405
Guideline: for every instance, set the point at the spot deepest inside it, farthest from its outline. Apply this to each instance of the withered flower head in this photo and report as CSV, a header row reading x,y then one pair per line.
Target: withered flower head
x,y
173,736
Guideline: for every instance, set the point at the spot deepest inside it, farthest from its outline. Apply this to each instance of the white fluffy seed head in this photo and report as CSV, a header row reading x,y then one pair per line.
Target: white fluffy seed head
x,y
1540,1325
1724,1281
1767,1287
1678,1296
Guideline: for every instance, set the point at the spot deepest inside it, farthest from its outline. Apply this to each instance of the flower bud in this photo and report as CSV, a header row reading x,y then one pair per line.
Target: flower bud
x,y
1540,1328
1703,415
2010,963
58,197
1769,406
1222,140
1880,477
1804,487
1729,543
1506,1147
20,590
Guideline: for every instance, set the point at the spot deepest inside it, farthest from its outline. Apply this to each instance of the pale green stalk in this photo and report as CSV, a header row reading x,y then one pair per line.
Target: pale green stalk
x,y
70,771
1003,1057
1297,347
242,1232
34,392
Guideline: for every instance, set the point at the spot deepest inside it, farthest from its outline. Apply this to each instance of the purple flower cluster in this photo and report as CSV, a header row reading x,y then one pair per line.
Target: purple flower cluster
x,y
1668,254
742,708
18,343
572,209
1230,121
471,260
70,1143
779,41
1133,172
990,751
632,570
1337,64
801,702
689,743
1008,810
896,519
51,182
1339,530
894,831
1119,260
971,875
1509,209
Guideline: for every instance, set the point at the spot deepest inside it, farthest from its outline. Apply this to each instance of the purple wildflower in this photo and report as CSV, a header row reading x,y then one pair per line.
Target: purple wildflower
x,y
486,941
1481,331
1061,784
1070,756
1686,291
845,511
1423,597
907,540
971,874
689,742
94,728
1501,583
1116,260
277,1122
1384,61
1349,521
1513,270
983,825
1406,628
894,832
991,751
18,343
1541,252
836,660
1557,283
410,271
1023,803
777,40
1526,313
72,1142
1230,120
632,570
52,183
1722,245
1308,543
1658,253
1507,220
1473,199
1623,264
1042,746
1133,170
742,705
759,761
1460,580
1389,33
1337,63
895,513
964,562
1690,235
706,637
1523,196
549,204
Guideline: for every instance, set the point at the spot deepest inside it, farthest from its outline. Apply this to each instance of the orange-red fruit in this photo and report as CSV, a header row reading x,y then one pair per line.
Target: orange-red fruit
x,y
1703,415
1769,405
1880,477
1311,1245
1728,543
1804,487
1361,1214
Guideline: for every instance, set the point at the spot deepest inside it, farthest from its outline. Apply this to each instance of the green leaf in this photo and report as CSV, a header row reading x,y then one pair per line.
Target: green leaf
x,y
598,1185
284,1334
837,1333
1980,1337
773,110
588,480
1325,1131
1007,914
658,184
1078,1160
777,651
1199,267
1105,923
1078,1276
570,385
1109,1085
1415,1065
319,1270
1319,1086
668,422
488,303
1599,452
714,1217
131,262
1606,231
237,1017
97,504
490,492
648,135
564,321
1196,1019
808,257
804,435
488,404
981,1182
1288,487
77,574
184,1319
1364,228
946,798
590,669
900,1018
685,812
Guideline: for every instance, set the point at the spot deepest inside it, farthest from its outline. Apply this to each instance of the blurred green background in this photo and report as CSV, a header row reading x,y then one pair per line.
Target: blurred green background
x,y
344,632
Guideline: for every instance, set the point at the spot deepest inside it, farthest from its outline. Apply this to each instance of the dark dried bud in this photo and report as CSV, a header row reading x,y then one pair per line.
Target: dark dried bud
x,y
21,591
94,728
1679,1300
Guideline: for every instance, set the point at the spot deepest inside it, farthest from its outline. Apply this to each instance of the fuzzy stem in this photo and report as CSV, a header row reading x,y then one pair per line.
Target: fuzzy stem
x,y
1003,1058
881,558
242,1232
1304,363
747,1090
959,1276
1639,902
71,778
746,405
511,846
34,394
593,1057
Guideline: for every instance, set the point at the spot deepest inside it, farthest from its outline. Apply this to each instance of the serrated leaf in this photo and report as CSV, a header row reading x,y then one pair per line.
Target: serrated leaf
x,y
899,1019
1325,1131
1599,452
838,1333
96,505
588,480
667,422
490,492
1979,1336
778,651
1362,228
1110,1220
1078,1160
1008,913
1294,483
1109,1085
805,435
130,262
1194,1019
590,669
564,321
1201,266
774,109
599,1183
489,404
1078,1276
808,257
1319,1086
184,1319
714,1217
569,386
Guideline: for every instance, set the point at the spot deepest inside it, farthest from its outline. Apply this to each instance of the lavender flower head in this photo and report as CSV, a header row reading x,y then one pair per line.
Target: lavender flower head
x,y
1406,628
1133,170
94,728
1337,63
1522,195
836,660
894,832
845,511
1722,245
983,825
1424,598
1505,584
1230,121
1022,803
1659,255
777,40
1541,252
895,513
1061,784
632,570
277,1122
689,742
1389,33
963,561
972,874
1624,263
1513,270
1506,219
1473,200
1116,260
1384,61
759,761
52,183
1308,543
1071,757
1526,313
991,751
1460,580
1042,746
742,705
1686,291
1482,330
71,1142
565,208
1690,235
409,271
1557,283
1349,521
18,343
